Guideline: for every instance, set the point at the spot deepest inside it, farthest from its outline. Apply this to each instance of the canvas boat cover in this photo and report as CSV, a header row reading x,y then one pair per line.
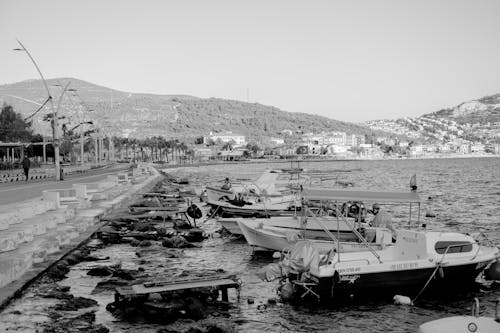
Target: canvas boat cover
x,y
363,196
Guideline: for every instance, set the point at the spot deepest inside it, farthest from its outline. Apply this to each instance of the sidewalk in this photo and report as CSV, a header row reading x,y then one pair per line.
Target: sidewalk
x,y
20,191
36,233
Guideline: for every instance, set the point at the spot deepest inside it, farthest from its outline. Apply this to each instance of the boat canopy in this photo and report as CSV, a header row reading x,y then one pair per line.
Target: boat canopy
x,y
363,196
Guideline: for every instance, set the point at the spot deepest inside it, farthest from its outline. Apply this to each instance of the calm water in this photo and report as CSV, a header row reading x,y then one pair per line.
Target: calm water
x,y
464,194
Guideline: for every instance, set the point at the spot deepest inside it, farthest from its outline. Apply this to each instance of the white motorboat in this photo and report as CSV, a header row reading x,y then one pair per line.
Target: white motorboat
x,y
265,237
473,323
311,228
262,208
417,260
263,187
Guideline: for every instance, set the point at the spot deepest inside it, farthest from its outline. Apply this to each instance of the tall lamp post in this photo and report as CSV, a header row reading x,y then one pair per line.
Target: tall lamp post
x,y
55,139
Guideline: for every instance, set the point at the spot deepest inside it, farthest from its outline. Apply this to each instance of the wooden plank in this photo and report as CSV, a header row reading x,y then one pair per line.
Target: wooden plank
x,y
140,289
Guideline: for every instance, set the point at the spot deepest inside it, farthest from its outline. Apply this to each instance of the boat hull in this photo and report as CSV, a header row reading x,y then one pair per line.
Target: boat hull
x,y
292,223
278,239
408,282
216,194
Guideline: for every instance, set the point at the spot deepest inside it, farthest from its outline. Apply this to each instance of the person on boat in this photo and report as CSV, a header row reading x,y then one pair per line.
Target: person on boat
x,y
227,184
381,218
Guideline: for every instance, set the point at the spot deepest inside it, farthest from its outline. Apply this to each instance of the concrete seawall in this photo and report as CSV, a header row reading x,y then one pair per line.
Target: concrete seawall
x,y
37,233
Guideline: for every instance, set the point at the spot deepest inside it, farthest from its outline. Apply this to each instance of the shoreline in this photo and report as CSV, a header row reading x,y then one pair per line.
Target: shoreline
x,y
307,160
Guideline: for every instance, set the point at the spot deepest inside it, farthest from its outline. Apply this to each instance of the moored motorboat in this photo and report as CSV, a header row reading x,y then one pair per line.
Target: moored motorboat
x,y
417,259
264,208
473,323
265,237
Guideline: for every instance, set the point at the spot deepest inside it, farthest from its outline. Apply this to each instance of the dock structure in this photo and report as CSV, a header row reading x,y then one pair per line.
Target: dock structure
x,y
222,283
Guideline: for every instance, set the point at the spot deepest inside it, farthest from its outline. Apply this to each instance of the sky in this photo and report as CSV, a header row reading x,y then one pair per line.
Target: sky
x,y
349,60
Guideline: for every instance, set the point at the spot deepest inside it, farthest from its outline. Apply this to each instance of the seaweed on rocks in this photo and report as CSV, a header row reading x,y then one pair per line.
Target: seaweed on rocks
x,y
75,303
100,271
80,323
50,289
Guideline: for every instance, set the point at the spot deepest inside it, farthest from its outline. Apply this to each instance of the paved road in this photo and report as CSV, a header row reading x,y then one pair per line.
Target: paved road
x,y
20,191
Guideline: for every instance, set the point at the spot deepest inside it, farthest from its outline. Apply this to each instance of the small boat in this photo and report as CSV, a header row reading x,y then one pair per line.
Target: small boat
x,y
472,323
269,238
249,209
417,258
291,223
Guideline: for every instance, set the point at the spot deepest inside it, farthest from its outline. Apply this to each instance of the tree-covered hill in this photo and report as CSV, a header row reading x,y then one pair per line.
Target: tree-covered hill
x,y
147,115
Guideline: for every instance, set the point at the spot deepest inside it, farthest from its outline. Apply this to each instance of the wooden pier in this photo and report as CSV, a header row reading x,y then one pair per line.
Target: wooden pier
x,y
222,283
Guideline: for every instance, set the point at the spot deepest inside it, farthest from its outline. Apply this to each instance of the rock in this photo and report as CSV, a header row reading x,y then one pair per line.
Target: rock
x,y
144,227
181,224
180,242
134,242
277,255
145,243
195,308
53,290
167,242
194,235
194,329
92,258
271,301
109,285
81,323
219,328
125,274
100,271
58,271
75,303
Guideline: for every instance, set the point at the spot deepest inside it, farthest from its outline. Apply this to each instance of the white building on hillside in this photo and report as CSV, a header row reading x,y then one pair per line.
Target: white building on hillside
x,y
238,139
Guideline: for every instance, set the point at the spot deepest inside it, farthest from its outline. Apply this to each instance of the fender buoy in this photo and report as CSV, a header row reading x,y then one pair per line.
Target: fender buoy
x,y
286,291
194,211
493,272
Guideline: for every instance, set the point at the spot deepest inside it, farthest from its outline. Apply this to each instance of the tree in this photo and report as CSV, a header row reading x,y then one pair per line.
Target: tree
x,y
12,126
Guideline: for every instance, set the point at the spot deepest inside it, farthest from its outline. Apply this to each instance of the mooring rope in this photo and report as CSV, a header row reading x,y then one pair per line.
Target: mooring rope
x,y
427,283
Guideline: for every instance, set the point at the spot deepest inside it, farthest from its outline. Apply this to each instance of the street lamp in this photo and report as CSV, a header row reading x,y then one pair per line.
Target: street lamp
x,y
82,103
55,137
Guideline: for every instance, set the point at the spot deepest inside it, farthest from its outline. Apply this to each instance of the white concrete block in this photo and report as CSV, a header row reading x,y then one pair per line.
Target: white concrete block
x,y
52,197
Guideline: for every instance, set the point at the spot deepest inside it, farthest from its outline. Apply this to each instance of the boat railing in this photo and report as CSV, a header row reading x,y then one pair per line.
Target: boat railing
x,y
352,227
475,307
356,232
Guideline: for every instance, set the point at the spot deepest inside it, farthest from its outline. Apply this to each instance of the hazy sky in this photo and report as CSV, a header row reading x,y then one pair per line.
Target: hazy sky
x,y
348,60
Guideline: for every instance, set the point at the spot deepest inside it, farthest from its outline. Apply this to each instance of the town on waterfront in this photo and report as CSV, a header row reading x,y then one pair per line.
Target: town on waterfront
x,y
251,166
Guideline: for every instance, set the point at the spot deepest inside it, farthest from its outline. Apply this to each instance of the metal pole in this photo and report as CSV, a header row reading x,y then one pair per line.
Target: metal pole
x,y
96,150
81,145
54,115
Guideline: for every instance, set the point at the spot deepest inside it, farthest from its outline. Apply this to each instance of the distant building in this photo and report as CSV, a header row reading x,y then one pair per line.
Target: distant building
x,y
238,139
477,148
352,140
336,149
465,148
277,141
335,138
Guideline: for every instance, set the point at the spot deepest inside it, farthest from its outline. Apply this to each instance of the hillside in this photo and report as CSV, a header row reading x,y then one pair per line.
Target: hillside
x,y
146,115
483,110
475,121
